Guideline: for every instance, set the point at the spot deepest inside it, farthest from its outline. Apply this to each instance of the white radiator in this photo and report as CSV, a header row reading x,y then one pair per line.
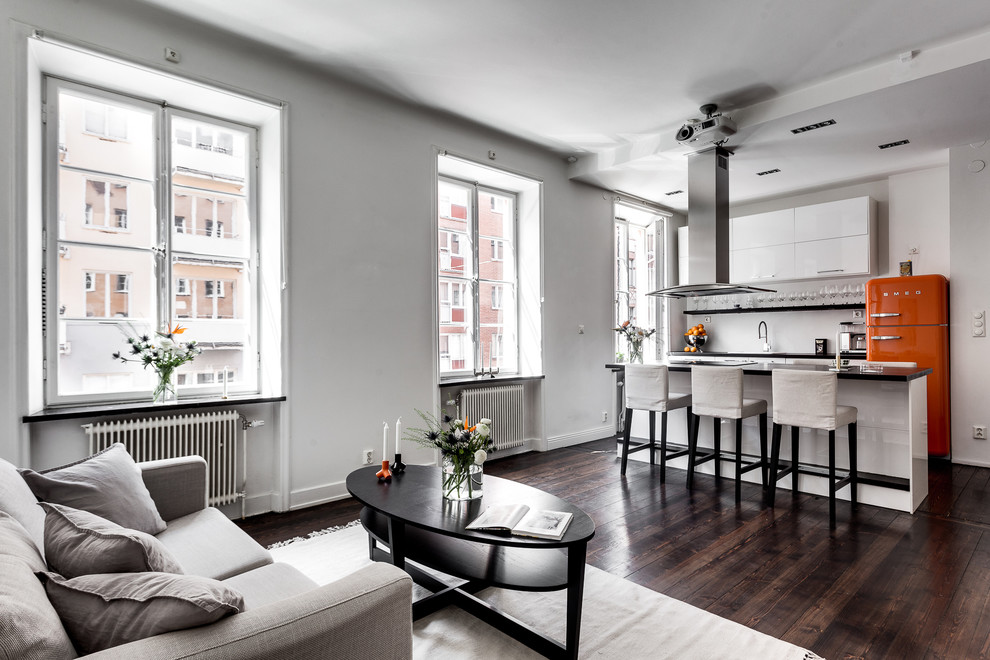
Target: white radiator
x,y
503,405
212,435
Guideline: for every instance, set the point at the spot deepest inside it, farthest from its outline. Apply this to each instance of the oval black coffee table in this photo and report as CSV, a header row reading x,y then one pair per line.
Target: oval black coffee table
x,y
410,517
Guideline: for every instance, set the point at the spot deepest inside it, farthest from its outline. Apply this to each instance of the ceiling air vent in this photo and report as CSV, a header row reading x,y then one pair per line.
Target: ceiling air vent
x,y
766,172
893,144
811,127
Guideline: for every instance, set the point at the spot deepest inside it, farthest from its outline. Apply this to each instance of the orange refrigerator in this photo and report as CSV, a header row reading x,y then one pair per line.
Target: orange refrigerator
x,y
908,321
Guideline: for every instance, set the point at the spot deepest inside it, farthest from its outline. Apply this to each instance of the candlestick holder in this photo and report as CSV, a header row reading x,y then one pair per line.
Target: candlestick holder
x,y
398,467
384,474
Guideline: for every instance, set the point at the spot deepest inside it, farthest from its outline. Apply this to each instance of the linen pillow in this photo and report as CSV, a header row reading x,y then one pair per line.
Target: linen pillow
x,y
101,611
15,542
108,484
29,627
82,543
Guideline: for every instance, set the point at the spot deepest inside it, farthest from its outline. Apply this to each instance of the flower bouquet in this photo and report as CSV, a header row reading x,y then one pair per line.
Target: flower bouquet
x,y
164,353
635,336
463,449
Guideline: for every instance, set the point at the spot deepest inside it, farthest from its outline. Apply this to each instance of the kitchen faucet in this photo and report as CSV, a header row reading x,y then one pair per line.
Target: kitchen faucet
x,y
763,333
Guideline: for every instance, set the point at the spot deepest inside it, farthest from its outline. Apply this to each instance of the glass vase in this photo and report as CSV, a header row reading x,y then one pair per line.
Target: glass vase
x,y
165,391
636,352
462,477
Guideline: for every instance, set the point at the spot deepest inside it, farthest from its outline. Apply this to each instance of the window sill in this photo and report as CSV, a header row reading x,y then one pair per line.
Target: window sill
x,y
82,412
482,380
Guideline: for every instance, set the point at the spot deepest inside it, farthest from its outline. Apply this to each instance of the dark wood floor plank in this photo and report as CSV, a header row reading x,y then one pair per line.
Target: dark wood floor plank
x,y
882,584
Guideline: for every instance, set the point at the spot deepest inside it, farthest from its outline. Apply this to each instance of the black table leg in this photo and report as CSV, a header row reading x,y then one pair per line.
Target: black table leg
x,y
397,542
576,556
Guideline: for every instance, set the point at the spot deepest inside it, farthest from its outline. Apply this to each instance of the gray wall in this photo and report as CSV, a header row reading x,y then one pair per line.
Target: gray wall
x,y
359,321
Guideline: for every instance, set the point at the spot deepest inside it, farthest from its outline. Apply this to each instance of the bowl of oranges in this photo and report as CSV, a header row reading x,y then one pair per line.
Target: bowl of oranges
x,y
695,338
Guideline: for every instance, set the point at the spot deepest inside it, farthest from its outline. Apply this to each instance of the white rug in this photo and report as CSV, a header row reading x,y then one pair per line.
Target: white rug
x,y
620,619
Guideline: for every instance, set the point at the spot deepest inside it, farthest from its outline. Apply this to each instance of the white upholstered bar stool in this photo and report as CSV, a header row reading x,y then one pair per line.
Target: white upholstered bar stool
x,y
717,392
808,399
646,388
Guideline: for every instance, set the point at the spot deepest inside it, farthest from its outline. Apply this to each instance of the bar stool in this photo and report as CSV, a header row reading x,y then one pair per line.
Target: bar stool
x,y
808,399
717,392
646,388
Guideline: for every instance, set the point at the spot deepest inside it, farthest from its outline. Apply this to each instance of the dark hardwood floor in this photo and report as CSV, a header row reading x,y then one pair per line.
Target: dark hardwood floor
x,y
884,584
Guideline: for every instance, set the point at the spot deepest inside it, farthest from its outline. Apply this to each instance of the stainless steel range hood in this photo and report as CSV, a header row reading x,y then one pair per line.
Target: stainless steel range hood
x,y
708,221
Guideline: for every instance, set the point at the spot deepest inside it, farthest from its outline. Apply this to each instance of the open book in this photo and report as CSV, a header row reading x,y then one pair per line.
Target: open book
x,y
520,520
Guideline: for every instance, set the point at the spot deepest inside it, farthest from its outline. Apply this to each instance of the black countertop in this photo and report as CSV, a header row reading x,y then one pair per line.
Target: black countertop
x,y
901,374
852,355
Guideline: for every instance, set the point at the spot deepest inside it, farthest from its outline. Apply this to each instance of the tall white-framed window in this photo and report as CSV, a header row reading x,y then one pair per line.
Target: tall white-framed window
x,y
131,188
478,277
636,243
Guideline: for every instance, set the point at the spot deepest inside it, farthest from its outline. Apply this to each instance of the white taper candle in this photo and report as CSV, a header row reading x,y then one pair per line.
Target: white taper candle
x,y
398,434
384,441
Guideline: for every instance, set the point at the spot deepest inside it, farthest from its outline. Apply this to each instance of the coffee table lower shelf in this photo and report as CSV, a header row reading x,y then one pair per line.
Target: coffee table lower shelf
x,y
476,566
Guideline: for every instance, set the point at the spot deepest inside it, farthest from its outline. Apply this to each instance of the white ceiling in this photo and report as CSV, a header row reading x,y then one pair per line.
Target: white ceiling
x,y
611,82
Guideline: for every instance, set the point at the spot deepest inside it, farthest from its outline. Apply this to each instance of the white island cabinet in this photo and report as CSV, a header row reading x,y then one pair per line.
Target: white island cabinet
x,y
892,439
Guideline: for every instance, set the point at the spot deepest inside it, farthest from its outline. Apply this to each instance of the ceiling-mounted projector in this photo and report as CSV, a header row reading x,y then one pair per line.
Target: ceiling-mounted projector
x,y
713,128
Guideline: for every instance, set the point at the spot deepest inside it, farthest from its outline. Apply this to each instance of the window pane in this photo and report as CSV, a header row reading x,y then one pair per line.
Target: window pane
x,y
456,325
210,213
96,282
85,357
496,228
103,135
498,326
94,207
455,251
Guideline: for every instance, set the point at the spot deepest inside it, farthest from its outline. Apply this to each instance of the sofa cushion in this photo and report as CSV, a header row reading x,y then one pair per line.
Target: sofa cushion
x,y
101,611
207,543
108,484
15,542
17,499
29,627
270,583
81,543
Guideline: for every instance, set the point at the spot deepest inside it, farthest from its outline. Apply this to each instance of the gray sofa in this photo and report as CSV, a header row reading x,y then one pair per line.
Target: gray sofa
x,y
365,615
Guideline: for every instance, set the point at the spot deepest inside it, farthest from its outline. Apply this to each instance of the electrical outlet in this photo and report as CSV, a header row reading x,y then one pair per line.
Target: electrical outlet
x,y
857,313
980,432
366,456
708,319
604,416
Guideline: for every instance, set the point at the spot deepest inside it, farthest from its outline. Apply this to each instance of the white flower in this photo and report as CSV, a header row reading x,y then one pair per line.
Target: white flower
x,y
483,430
166,343
485,421
457,424
458,433
480,456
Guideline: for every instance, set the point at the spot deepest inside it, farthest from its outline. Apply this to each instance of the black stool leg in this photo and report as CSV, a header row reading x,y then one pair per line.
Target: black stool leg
x,y
831,479
853,476
717,462
738,459
694,421
663,446
625,440
774,463
763,449
653,437
795,431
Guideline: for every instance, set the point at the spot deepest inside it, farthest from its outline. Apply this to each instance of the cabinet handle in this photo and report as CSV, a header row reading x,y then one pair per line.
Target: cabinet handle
x,y
765,277
834,270
884,337
884,315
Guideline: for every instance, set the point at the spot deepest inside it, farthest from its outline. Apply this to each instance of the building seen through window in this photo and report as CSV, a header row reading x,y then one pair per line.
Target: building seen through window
x,y
137,251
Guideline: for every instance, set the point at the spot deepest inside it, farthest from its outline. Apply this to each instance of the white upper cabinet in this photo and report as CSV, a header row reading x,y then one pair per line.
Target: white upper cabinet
x,y
846,217
827,240
763,229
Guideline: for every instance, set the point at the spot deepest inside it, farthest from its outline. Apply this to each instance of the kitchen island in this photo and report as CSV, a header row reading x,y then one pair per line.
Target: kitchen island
x,y
892,430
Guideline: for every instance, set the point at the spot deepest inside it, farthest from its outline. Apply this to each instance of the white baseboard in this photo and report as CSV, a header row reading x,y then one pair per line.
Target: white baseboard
x,y
971,462
579,438
300,499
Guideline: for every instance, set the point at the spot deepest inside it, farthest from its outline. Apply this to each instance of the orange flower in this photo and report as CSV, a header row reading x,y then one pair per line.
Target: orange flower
x,y
177,330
